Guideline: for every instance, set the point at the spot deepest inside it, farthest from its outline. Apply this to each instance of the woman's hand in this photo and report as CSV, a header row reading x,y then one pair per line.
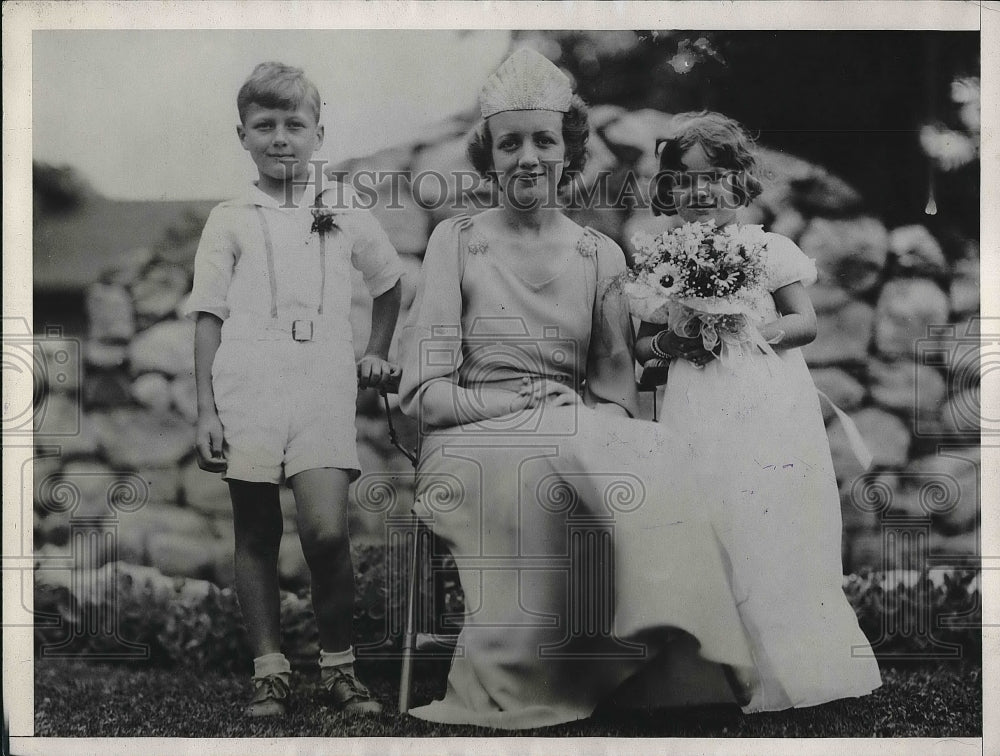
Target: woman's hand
x,y
375,372
560,395
208,443
682,347
554,393
525,398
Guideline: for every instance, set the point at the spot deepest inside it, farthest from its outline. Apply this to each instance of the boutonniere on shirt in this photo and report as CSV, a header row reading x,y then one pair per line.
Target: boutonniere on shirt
x,y
323,220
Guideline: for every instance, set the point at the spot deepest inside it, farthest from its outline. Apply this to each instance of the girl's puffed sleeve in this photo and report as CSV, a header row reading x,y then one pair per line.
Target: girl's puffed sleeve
x,y
611,359
372,253
214,263
786,263
430,344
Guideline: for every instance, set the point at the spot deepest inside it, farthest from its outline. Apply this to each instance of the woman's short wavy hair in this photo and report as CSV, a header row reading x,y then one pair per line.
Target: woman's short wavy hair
x,y
575,132
727,145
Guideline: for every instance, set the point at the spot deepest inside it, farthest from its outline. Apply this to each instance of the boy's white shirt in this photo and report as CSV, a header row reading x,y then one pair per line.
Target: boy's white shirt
x,y
222,289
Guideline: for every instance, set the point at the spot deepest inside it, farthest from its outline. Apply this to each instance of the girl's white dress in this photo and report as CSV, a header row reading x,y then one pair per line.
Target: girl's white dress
x,y
776,508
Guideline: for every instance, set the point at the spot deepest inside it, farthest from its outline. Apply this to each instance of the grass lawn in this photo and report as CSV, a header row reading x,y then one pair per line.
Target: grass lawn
x,y
79,699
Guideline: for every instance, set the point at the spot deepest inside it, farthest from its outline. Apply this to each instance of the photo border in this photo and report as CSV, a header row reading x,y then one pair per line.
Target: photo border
x,y
21,18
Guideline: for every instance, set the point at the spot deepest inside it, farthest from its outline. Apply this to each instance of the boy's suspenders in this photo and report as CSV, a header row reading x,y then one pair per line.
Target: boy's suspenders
x,y
322,270
272,279
269,251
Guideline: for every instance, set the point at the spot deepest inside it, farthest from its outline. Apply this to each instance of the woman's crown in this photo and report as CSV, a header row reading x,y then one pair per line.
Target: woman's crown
x,y
527,80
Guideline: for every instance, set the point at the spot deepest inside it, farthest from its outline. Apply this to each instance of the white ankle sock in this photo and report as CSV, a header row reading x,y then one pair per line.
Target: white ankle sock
x,y
336,658
272,664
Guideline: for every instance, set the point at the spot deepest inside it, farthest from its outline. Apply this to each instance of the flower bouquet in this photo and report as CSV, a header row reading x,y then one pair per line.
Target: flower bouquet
x,y
698,279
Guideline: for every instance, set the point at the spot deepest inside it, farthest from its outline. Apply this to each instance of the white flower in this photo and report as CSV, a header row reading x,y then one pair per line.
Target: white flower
x,y
668,278
691,248
726,278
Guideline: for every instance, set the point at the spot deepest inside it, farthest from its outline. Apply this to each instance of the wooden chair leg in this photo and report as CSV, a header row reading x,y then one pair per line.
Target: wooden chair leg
x,y
410,631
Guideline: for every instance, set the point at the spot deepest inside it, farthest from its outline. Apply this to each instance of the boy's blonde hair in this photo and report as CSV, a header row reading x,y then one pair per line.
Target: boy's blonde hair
x,y
275,85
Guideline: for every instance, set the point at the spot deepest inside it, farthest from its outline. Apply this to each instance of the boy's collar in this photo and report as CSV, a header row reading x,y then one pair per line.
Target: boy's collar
x,y
254,195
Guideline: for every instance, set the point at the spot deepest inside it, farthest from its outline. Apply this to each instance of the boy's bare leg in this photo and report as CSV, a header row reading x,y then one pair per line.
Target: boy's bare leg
x,y
258,525
321,505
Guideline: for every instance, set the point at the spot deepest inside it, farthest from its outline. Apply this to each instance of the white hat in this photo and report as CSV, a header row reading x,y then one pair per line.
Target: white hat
x,y
527,80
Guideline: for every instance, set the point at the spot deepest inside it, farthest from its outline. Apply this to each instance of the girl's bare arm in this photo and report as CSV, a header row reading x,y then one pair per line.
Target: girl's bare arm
x,y
796,324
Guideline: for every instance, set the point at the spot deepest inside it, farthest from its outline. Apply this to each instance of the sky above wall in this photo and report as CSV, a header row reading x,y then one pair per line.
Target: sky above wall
x,y
152,114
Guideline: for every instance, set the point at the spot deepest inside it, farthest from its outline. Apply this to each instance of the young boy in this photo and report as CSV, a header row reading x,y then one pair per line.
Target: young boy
x,y
277,381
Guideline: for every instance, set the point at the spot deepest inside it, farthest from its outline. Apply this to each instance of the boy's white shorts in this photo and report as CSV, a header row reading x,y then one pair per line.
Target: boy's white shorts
x,y
286,406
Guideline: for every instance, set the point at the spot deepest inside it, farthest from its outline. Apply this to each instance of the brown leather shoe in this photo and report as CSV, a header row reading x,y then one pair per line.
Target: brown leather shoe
x,y
347,692
270,697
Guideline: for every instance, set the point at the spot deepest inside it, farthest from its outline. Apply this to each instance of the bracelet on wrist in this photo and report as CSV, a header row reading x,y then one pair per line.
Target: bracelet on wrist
x,y
655,348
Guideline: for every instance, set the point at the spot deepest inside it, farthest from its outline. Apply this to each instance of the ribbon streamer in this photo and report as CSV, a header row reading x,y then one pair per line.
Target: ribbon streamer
x,y
854,439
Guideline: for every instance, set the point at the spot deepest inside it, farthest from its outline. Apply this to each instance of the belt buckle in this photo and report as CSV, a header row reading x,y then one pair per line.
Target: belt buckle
x,y
302,330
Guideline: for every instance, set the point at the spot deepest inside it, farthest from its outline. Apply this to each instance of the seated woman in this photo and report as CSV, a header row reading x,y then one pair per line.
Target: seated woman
x,y
577,546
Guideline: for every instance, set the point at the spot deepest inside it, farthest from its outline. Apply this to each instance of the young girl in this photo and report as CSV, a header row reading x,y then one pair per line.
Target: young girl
x,y
775,504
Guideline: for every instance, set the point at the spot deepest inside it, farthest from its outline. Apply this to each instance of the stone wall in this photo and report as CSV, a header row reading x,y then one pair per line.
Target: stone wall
x,y
881,295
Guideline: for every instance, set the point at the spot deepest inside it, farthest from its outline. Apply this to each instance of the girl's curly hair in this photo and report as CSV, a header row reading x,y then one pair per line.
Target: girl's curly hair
x,y
727,145
575,132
